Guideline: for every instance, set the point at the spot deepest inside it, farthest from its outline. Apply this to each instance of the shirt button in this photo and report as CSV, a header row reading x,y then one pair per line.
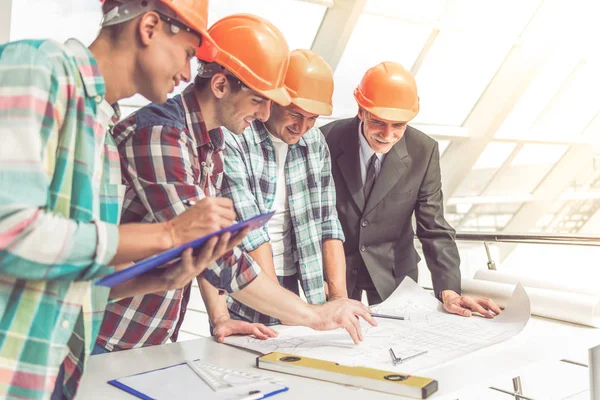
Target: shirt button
x,y
272,179
65,324
354,272
364,224
362,248
98,99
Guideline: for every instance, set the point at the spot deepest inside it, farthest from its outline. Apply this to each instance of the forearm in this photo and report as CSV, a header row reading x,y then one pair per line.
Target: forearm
x,y
149,282
216,305
269,298
35,244
334,265
138,241
263,256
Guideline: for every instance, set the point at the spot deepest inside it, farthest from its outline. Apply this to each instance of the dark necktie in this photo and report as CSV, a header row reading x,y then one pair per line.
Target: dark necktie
x,y
371,175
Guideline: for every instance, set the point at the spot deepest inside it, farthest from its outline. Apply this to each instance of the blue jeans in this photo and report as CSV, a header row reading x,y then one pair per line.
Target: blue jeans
x,y
99,349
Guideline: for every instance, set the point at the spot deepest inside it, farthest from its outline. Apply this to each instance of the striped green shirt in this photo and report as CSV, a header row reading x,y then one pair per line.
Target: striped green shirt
x,y
251,182
59,203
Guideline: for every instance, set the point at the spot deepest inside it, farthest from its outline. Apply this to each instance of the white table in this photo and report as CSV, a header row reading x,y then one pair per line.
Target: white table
x,y
541,341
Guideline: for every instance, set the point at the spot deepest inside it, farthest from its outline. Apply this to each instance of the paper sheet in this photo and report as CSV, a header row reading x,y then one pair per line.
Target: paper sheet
x,y
426,327
548,299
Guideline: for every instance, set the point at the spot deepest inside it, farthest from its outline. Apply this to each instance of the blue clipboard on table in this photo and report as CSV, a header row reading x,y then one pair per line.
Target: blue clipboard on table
x,y
157,260
180,382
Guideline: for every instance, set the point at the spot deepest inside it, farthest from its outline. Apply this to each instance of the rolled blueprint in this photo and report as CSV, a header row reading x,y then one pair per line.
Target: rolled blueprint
x,y
528,281
562,305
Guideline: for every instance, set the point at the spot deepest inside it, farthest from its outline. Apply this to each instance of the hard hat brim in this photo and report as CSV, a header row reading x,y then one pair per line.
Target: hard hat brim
x,y
313,106
208,50
392,114
387,113
279,95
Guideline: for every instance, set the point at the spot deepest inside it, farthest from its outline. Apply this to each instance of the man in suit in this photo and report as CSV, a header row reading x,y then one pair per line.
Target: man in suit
x,y
384,171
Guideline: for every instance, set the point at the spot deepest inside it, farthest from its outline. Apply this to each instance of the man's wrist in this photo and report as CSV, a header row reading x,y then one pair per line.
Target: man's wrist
x,y
337,294
308,316
220,319
447,295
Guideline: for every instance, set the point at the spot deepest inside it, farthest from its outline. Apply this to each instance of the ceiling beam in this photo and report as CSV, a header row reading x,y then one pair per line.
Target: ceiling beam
x,y
511,81
336,28
548,192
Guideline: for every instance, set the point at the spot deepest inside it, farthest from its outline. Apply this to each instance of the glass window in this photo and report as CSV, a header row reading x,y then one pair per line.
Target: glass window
x,y
424,11
539,95
456,70
489,217
527,169
372,42
58,20
573,107
443,146
486,166
299,21
475,37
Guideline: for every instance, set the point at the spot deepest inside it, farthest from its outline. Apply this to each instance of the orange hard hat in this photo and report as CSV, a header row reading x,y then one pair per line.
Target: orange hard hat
x,y
193,14
255,51
388,91
309,81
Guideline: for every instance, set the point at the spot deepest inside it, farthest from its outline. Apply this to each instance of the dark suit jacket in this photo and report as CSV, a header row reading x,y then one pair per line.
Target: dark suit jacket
x,y
380,233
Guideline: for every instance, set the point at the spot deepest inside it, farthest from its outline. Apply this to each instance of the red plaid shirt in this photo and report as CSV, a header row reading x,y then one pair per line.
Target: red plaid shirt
x,y
167,156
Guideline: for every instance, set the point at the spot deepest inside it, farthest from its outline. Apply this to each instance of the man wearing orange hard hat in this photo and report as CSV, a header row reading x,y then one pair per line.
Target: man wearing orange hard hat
x,y
283,164
385,171
172,155
60,181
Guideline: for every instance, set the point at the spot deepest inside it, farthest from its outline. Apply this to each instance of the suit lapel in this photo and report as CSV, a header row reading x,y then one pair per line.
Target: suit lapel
x,y
349,163
392,170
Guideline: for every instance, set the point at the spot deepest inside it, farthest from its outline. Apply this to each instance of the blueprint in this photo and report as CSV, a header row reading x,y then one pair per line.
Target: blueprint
x,y
427,327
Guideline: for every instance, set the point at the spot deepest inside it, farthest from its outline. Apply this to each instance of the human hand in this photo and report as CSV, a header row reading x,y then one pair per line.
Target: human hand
x,y
179,275
206,216
225,326
466,305
342,313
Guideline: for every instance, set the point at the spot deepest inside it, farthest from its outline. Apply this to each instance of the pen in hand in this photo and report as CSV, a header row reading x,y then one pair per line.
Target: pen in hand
x,y
375,315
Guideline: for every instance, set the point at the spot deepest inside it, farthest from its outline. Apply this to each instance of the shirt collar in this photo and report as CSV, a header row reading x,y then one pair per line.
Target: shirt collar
x,y
365,149
261,133
92,79
195,120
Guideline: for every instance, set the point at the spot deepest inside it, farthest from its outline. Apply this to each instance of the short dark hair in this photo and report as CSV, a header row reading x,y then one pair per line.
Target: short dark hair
x,y
236,85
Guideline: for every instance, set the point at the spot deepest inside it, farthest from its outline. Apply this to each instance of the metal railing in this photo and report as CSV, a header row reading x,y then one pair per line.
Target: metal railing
x,y
525,238
533,238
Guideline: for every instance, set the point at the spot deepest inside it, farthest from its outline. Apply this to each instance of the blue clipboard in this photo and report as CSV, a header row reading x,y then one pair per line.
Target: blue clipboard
x,y
159,259
140,390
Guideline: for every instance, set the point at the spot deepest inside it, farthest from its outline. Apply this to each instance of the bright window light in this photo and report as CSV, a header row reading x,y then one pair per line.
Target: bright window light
x,y
299,21
539,95
371,43
527,169
425,11
489,161
55,19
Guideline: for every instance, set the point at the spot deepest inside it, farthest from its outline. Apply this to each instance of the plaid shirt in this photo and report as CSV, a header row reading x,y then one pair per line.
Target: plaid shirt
x,y
59,203
250,181
168,156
